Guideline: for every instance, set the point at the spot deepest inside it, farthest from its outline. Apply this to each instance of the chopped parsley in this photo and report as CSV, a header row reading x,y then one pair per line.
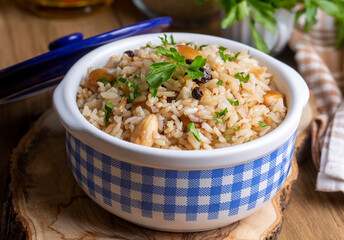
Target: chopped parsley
x,y
249,140
235,103
228,57
218,119
129,84
202,46
262,124
195,47
222,113
148,46
122,79
137,76
116,84
236,128
192,128
241,77
220,82
163,71
165,41
225,135
103,80
108,112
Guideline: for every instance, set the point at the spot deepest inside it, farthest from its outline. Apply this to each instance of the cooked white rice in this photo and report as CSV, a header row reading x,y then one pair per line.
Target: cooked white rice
x,y
260,109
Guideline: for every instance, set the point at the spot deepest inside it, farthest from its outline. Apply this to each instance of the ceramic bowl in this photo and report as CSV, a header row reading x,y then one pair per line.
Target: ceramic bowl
x,y
174,190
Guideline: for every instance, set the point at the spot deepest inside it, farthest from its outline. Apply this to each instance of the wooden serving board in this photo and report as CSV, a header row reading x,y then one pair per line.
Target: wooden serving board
x,y
45,202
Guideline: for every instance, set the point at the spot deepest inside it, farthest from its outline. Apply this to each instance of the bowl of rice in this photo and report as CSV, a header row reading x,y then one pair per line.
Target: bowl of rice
x,y
180,132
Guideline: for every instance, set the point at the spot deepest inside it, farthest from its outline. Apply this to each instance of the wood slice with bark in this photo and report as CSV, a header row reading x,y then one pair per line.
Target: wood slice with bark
x,y
45,202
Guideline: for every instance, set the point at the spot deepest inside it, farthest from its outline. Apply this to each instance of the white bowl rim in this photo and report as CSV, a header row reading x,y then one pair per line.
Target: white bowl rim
x,y
65,105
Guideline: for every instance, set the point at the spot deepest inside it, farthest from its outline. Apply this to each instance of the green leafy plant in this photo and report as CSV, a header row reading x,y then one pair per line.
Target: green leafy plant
x,y
263,12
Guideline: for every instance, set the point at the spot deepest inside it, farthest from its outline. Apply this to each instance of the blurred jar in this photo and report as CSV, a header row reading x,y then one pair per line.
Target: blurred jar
x,y
63,8
185,13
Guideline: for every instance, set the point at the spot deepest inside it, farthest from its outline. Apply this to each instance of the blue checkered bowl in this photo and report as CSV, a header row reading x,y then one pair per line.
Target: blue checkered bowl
x,y
178,190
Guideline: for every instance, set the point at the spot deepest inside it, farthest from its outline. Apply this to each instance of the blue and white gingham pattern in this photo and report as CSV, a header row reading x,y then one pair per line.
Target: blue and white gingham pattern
x,y
187,195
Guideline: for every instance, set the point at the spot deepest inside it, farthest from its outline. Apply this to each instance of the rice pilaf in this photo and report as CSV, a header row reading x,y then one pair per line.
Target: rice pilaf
x,y
148,96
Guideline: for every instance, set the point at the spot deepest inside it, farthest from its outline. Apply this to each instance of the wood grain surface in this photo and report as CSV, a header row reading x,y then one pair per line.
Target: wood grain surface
x,y
311,214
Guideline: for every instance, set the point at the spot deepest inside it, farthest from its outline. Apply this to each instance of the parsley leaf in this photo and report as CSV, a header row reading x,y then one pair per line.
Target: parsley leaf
x,y
258,40
161,72
202,46
193,68
103,80
222,113
172,40
235,103
225,134
122,79
192,128
236,128
108,112
262,124
128,84
173,54
241,77
218,119
137,76
220,82
165,41
226,57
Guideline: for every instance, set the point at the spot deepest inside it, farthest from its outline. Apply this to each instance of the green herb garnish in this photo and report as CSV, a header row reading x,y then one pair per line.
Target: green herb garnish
x,y
218,119
262,124
163,71
225,134
122,79
226,57
172,40
241,77
202,46
235,103
222,113
220,82
195,47
116,84
160,73
193,68
165,41
128,84
236,128
137,76
108,112
103,80
192,128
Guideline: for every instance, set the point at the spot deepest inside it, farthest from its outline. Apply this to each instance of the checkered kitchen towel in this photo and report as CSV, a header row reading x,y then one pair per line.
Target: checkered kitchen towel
x,y
321,65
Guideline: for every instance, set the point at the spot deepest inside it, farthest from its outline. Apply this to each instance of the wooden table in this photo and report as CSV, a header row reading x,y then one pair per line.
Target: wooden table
x,y
311,214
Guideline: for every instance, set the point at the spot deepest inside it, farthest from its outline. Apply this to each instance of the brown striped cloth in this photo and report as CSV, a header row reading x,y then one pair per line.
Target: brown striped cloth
x,y
321,65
